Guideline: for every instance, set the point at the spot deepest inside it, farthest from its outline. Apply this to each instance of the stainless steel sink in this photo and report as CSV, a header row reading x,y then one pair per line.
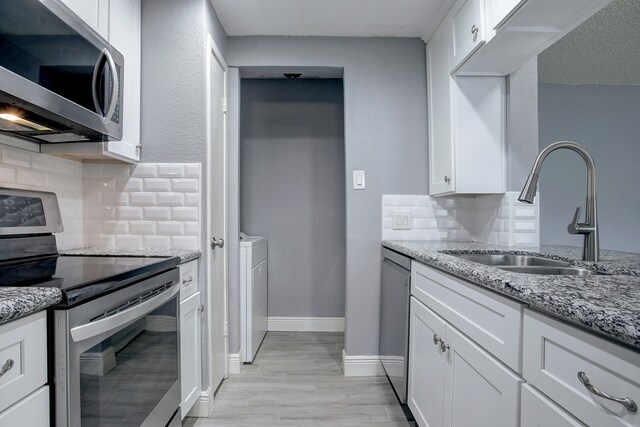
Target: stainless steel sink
x,y
528,264
560,271
499,260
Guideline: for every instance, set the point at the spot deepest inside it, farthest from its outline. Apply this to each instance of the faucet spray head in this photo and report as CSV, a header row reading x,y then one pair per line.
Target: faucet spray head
x,y
529,190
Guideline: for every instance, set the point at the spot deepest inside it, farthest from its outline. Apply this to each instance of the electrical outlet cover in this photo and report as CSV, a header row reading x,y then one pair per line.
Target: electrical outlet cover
x,y
401,220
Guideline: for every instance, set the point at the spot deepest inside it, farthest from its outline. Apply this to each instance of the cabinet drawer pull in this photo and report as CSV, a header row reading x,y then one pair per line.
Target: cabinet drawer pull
x,y
436,339
444,347
447,179
6,367
474,29
187,281
626,402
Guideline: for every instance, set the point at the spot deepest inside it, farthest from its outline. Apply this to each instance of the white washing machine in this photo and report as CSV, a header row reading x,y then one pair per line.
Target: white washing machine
x,y
254,280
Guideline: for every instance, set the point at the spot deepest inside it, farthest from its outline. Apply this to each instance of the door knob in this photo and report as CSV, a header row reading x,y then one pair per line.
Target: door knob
x,y
216,243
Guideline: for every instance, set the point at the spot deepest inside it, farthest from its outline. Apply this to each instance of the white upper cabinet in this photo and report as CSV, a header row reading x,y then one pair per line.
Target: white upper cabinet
x,y
118,21
95,13
466,117
124,35
518,30
468,31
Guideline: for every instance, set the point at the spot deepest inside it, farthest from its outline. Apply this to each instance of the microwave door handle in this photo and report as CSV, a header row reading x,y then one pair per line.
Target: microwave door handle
x,y
117,321
94,85
115,86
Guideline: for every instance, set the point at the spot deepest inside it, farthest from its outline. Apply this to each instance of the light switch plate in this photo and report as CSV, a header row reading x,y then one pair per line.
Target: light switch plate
x,y
358,180
401,220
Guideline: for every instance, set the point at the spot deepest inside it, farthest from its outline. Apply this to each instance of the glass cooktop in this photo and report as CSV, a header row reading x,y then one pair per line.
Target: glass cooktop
x,y
82,277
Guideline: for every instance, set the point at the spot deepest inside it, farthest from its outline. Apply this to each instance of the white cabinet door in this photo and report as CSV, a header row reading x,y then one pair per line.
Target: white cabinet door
x,y
33,410
538,411
441,145
190,380
479,390
124,35
426,365
94,13
468,31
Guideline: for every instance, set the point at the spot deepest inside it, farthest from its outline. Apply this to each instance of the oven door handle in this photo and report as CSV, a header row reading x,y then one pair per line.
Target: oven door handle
x,y
112,323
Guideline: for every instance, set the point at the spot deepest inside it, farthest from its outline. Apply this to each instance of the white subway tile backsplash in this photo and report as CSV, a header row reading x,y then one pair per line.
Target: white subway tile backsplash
x,y
142,199
184,242
16,157
8,173
142,227
158,242
128,241
31,177
112,227
131,184
171,227
115,199
191,228
184,214
145,170
170,199
170,170
129,212
157,184
157,213
192,199
491,218
185,185
192,170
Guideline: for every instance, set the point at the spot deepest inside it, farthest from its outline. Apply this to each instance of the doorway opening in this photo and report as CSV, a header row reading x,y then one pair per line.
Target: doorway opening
x,y
292,191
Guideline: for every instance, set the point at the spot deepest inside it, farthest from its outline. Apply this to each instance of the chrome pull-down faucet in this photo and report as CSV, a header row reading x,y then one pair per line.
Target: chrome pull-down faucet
x,y
591,247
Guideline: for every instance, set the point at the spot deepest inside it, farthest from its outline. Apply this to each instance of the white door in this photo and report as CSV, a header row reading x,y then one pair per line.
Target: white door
x,y
538,411
426,365
216,222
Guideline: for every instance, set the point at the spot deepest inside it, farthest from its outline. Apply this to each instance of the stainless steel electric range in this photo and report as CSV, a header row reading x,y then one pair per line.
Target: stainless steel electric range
x,y
113,337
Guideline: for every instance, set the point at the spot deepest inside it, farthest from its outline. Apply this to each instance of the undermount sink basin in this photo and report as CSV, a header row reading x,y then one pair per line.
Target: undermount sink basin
x,y
528,264
560,271
499,260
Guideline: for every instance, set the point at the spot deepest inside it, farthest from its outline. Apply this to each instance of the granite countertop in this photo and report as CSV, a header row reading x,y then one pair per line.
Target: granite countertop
x,y
185,255
606,304
19,302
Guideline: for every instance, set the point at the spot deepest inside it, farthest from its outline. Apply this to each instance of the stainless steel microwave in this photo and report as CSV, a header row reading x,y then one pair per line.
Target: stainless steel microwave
x,y
60,81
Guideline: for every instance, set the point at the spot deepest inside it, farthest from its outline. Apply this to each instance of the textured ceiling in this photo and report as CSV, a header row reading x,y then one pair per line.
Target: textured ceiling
x,y
344,18
605,49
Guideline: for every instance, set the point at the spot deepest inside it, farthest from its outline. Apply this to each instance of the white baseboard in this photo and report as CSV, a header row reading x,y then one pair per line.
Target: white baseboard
x,y
305,324
98,363
203,405
361,366
234,363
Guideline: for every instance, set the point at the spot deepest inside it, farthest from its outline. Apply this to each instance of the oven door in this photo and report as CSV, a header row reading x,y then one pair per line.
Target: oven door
x,y
117,358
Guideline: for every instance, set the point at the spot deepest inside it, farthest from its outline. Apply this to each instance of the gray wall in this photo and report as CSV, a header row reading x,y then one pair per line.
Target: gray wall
x,y
173,122
385,135
292,189
604,119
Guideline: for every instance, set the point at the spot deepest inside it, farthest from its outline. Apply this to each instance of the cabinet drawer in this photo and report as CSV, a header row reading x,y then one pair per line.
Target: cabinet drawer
x,y
489,319
538,411
188,279
23,346
32,411
554,354
468,31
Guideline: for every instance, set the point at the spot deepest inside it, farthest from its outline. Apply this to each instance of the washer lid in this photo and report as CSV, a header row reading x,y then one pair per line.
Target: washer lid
x,y
249,241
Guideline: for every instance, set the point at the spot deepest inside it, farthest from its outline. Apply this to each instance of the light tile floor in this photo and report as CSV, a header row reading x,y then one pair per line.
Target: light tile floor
x,y
296,380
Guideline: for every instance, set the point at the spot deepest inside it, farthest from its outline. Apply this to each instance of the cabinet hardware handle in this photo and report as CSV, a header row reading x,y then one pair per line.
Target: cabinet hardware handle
x,y
626,402
447,179
436,339
189,280
6,367
444,347
201,308
217,243
474,29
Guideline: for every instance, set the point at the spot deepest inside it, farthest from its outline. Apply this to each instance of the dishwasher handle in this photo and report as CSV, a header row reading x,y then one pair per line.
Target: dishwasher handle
x,y
124,317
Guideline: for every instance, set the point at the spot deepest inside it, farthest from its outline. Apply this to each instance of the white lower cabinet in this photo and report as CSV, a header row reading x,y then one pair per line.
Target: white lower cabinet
x,y
452,381
538,411
190,331
24,395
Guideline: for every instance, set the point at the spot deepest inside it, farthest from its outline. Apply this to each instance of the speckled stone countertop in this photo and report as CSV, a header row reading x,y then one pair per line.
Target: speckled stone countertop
x,y
19,302
607,304
184,254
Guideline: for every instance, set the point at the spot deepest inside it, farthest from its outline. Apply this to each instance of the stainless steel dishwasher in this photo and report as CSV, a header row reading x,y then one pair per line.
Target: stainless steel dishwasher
x,y
394,321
